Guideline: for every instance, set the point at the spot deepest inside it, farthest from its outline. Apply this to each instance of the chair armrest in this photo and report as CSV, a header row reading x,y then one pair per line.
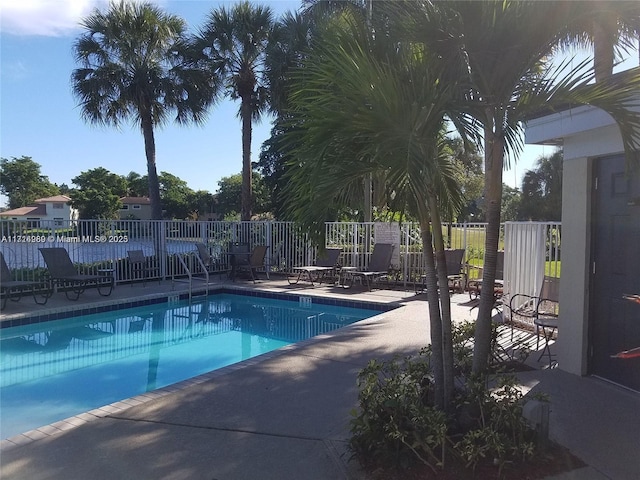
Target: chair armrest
x,y
547,308
524,305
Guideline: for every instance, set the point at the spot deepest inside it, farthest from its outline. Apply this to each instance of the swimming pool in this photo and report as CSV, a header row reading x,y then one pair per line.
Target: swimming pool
x,y
53,370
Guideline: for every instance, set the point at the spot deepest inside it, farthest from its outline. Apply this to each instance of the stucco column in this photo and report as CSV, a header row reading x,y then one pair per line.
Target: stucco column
x,y
572,344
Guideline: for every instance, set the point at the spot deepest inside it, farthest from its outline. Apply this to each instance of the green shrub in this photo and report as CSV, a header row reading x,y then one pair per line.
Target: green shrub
x,y
397,425
396,422
494,428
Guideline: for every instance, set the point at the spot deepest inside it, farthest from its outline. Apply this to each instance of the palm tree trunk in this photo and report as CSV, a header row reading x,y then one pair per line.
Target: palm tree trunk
x,y
445,303
435,324
604,32
152,173
494,157
245,113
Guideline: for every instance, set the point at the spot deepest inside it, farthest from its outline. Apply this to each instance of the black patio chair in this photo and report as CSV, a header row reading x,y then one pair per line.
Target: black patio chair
x,y
541,310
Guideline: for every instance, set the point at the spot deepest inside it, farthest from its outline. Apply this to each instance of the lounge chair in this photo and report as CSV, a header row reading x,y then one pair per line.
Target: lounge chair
x,y
379,265
15,289
63,274
326,264
242,261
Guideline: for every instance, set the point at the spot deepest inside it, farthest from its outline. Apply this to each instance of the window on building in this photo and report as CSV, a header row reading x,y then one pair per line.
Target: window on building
x,y
136,207
125,207
58,222
58,205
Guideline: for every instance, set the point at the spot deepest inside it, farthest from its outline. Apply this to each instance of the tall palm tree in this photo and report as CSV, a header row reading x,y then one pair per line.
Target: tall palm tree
x,y
131,70
356,113
289,43
234,41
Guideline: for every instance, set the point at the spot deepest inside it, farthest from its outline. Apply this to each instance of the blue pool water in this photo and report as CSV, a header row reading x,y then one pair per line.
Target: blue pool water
x,y
54,370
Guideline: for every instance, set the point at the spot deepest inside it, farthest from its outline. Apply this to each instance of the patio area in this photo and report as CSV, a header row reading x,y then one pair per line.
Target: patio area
x,y
285,414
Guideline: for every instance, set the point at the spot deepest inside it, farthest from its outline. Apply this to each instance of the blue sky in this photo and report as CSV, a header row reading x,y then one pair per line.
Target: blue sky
x,y
39,116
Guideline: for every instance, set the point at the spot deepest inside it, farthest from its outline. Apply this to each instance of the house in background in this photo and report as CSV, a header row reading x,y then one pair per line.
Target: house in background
x,y
56,209
600,245
135,208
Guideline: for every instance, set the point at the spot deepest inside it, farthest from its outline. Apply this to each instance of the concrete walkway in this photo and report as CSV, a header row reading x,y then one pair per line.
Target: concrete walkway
x,y
285,415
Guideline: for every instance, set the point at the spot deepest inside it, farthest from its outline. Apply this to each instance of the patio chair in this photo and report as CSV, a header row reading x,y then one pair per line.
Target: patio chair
x,y
541,310
276,259
208,262
455,276
249,262
455,273
379,265
63,274
15,289
139,266
205,256
325,265
475,286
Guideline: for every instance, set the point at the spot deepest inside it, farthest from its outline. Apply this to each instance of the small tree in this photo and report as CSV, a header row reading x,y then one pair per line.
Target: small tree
x,y
98,193
229,196
362,110
22,182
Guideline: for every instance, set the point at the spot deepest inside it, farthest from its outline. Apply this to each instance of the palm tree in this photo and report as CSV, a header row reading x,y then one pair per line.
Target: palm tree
x,y
504,45
234,42
357,112
289,43
131,70
611,28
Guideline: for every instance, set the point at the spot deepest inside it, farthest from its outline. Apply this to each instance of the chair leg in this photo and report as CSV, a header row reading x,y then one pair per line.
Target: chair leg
x,y
547,335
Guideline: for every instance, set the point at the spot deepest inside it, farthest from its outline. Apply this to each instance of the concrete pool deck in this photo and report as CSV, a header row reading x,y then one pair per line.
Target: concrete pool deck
x,y
285,415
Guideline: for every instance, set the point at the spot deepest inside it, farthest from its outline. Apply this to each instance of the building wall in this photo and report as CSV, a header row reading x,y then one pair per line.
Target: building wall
x,y
142,213
65,213
586,134
574,285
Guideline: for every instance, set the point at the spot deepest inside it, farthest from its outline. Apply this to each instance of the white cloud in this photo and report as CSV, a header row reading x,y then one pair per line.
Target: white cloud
x,y
54,18
44,17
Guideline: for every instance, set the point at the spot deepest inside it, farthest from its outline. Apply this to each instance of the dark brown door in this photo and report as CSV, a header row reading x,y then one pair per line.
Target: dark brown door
x,y
615,321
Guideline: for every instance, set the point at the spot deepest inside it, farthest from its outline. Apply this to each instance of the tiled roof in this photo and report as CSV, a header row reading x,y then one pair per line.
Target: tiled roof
x,y
136,200
55,198
31,210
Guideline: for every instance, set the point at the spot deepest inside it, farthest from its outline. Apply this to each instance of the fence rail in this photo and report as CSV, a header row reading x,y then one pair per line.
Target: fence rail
x,y
94,244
